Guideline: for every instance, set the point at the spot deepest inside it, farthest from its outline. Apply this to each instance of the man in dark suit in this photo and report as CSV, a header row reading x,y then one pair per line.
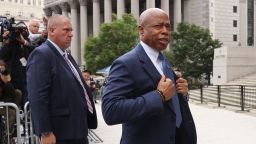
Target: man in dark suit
x,y
150,103
61,102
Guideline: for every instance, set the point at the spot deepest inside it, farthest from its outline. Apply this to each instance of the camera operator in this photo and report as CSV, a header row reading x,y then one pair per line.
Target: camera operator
x,y
15,52
90,82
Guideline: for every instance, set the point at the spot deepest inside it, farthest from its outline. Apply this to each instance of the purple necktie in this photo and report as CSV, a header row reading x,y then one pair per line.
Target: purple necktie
x,y
74,71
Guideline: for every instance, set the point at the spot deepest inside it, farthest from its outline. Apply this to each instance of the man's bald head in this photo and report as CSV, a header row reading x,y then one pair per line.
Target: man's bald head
x,y
33,26
154,28
147,15
60,31
56,20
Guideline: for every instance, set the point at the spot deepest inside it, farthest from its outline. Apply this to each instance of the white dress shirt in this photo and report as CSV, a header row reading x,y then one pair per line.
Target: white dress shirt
x,y
153,55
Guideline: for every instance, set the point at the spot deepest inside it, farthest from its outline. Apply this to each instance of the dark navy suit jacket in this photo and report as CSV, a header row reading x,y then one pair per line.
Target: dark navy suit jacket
x,y
130,98
56,98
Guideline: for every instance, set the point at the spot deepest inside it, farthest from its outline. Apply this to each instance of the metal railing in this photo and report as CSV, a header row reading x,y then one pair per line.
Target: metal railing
x,y
6,106
93,137
240,96
29,137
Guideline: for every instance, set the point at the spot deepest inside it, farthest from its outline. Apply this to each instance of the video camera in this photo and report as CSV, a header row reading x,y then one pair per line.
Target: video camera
x,y
2,19
14,29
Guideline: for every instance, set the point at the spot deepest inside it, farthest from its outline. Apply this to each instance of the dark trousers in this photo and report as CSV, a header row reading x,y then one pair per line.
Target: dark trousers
x,y
81,141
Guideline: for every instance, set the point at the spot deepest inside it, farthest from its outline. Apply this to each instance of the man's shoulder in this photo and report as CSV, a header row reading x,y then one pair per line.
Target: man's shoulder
x,y
130,59
43,49
129,56
133,54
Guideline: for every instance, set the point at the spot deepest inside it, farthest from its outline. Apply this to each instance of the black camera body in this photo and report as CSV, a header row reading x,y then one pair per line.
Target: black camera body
x,y
14,30
2,19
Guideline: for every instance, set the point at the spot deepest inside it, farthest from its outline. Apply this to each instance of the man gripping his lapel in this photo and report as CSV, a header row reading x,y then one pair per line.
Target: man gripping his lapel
x,y
144,94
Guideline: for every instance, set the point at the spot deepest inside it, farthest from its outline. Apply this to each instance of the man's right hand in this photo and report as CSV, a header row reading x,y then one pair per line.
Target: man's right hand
x,y
49,139
166,86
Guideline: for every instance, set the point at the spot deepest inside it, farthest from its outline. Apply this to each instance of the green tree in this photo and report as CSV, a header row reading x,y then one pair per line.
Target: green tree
x,y
193,51
114,39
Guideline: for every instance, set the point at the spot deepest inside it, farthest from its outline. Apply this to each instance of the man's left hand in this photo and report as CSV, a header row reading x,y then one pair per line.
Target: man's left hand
x,y
181,85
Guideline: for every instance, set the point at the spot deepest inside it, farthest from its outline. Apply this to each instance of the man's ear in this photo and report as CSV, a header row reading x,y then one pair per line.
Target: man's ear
x,y
141,30
51,31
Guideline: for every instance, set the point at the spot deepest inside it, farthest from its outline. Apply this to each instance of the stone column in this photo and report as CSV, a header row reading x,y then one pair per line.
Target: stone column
x,y
56,10
254,7
83,28
48,12
177,13
107,11
96,17
150,4
64,8
74,44
135,9
120,8
165,6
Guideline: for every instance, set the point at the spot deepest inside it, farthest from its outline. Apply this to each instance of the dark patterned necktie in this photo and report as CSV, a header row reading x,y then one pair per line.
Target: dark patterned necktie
x,y
74,71
168,72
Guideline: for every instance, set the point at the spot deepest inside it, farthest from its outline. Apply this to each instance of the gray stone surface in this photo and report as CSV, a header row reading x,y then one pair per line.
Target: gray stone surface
x,y
214,126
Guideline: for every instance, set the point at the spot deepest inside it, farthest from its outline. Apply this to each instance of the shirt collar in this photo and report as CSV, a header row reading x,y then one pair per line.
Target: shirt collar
x,y
57,47
151,52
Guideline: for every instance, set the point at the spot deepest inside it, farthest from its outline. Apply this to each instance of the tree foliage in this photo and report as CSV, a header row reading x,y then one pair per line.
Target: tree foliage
x,y
114,39
193,50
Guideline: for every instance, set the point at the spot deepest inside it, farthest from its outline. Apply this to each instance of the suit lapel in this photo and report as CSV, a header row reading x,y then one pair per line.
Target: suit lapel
x,y
63,61
76,67
81,77
52,47
147,65
150,69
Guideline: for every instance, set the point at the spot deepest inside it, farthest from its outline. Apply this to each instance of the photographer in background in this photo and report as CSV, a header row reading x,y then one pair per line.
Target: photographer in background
x,y
14,53
36,36
90,82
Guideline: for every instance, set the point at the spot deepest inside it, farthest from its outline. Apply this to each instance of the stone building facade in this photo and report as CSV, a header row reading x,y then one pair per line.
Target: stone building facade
x,y
230,21
87,15
22,9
